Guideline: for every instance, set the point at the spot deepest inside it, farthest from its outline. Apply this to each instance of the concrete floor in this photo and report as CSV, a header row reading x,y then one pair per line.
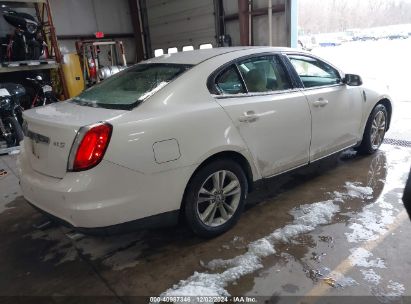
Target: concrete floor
x,y
362,248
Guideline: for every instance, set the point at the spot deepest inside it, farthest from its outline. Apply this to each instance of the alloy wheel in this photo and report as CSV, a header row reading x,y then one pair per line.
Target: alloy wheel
x,y
378,128
218,198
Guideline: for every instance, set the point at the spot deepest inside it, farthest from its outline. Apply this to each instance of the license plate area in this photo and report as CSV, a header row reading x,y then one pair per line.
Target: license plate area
x,y
39,144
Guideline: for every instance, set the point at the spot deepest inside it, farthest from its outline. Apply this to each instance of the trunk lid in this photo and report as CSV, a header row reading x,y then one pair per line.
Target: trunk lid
x,y
51,130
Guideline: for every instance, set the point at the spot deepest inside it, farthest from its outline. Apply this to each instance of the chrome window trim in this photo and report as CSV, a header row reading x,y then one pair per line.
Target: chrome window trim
x,y
323,87
247,95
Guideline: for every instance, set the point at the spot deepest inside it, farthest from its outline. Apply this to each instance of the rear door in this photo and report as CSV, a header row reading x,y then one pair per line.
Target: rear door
x,y
272,117
335,107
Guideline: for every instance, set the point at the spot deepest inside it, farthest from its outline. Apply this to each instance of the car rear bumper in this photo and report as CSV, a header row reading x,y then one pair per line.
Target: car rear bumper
x,y
107,195
166,219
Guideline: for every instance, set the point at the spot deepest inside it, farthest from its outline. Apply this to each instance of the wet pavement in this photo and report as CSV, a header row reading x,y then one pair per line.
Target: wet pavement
x,y
336,228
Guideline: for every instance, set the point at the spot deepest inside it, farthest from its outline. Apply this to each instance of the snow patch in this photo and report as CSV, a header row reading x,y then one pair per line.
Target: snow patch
x,y
250,260
306,218
371,276
398,289
390,294
361,257
355,190
204,284
338,196
370,225
261,248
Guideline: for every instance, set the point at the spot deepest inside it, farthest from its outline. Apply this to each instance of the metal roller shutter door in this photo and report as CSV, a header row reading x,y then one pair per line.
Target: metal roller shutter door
x,y
178,23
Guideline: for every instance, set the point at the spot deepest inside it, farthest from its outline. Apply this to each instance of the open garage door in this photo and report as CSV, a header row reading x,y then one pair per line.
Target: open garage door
x,y
180,23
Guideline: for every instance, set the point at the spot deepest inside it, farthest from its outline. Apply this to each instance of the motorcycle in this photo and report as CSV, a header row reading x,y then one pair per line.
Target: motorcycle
x,y
11,118
26,43
40,92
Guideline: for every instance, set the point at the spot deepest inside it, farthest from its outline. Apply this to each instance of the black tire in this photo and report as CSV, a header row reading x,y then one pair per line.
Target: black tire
x,y
16,130
366,146
198,181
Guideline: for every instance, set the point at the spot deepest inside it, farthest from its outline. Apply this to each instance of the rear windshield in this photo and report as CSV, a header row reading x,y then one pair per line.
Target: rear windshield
x,y
128,88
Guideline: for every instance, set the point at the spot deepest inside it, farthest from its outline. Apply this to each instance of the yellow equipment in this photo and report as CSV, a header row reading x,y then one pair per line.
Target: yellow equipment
x,y
73,74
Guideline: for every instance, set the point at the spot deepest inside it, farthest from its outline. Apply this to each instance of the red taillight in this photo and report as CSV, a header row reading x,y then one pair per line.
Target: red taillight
x,y
89,147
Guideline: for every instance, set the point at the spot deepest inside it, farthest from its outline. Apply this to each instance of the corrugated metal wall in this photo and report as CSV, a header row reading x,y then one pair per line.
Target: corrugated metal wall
x,y
178,23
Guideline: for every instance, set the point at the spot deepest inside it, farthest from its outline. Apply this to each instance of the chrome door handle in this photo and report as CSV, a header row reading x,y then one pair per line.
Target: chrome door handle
x,y
249,117
320,103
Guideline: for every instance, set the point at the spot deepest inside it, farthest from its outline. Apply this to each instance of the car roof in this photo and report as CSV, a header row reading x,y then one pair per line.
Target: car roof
x,y
197,56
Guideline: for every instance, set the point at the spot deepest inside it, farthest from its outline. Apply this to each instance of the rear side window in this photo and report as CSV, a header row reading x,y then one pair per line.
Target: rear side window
x,y
264,74
314,72
229,81
126,89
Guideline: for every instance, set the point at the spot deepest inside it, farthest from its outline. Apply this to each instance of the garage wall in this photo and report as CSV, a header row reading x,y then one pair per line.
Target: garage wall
x,y
86,17
260,24
172,23
178,23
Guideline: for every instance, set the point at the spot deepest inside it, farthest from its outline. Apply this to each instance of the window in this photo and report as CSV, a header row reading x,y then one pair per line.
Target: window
x,y
172,50
158,52
126,89
264,74
188,48
206,46
313,72
229,81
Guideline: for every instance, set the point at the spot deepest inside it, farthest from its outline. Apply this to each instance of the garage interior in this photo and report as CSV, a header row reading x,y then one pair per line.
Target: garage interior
x,y
363,250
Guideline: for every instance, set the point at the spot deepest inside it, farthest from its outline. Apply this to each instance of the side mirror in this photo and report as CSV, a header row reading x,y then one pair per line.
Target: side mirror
x,y
353,80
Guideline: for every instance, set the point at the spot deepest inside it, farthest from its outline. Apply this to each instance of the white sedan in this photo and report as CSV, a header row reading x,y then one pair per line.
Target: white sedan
x,y
188,134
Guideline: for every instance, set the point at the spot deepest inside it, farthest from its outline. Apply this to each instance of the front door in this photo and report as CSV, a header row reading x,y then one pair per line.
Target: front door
x,y
336,108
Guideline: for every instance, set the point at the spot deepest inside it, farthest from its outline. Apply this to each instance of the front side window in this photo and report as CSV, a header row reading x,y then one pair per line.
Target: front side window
x,y
264,74
314,72
128,88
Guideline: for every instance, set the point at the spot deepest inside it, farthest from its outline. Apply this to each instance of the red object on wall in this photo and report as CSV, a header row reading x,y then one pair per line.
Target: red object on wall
x,y
99,35
92,69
